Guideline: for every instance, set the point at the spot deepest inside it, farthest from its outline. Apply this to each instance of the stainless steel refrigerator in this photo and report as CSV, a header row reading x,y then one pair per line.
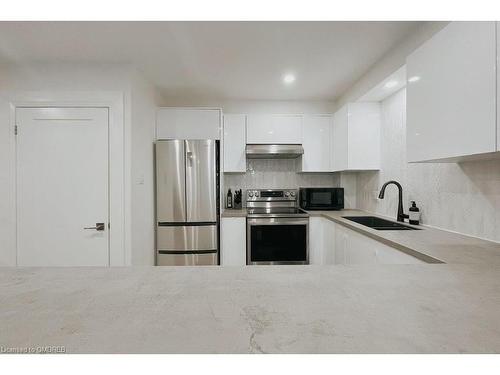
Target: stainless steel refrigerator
x,y
187,202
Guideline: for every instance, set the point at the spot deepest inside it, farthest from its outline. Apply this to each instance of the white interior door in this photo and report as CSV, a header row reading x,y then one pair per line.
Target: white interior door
x,y
62,186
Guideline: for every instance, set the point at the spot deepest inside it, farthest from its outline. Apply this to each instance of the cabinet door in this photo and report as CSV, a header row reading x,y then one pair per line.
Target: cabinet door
x,y
188,123
316,240
340,244
269,129
233,241
339,140
360,249
234,143
451,97
316,143
363,148
389,255
329,229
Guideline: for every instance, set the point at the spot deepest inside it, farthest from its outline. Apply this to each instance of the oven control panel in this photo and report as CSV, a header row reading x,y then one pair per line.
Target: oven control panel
x,y
272,195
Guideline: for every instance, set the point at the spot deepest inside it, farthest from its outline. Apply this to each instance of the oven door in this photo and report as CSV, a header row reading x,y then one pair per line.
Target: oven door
x,y
277,241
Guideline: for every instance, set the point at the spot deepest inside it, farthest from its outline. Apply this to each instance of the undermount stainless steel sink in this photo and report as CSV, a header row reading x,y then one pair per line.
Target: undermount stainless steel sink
x,y
378,223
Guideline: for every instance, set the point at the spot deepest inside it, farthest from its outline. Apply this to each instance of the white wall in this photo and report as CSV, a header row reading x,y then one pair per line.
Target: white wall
x,y
462,197
143,118
138,122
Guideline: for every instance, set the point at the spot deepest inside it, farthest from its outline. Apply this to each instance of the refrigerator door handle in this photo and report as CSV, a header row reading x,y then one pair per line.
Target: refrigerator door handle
x,y
189,157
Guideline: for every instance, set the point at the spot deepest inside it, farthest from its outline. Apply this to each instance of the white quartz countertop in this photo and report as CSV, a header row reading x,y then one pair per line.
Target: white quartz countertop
x,y
425,308
233,212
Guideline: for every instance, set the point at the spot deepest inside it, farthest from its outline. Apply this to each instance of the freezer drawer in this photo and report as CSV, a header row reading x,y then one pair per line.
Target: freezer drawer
x,y
187,238
209,259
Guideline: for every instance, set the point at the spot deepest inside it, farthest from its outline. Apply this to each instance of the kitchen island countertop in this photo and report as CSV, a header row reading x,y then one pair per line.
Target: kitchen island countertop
x,y
421,308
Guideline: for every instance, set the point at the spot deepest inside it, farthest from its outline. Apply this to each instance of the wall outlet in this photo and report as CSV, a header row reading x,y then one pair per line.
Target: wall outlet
x,y
140,179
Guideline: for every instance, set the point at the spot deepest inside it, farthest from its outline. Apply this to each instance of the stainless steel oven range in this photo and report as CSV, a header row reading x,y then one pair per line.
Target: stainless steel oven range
x,y
277,229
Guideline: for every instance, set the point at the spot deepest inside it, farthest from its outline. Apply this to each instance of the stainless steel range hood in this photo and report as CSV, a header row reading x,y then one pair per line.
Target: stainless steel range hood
x,y
277,151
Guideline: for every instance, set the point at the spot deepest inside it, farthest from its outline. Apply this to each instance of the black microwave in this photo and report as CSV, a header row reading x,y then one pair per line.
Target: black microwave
x,y
321,198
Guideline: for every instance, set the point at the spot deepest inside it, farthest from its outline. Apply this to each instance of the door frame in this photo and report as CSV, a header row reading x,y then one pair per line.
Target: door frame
x,y
119,252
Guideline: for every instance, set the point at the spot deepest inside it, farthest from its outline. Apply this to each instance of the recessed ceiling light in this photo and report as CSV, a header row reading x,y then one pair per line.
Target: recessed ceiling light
x,y
288,78
391,84
414,79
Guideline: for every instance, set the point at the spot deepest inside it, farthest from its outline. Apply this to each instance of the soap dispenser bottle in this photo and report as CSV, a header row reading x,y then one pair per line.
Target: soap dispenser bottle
x,y
414,214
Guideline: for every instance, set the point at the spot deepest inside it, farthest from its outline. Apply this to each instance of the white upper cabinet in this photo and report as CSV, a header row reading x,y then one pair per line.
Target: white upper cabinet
x,y
316,142
234,143
271,129
188,123
355,137
451,94
338,140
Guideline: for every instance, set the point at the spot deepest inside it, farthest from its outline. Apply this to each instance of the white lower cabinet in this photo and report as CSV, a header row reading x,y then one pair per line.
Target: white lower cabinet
x,y
329,230
233,241
316,240
321,241
388,255
360,249
340,244
331,243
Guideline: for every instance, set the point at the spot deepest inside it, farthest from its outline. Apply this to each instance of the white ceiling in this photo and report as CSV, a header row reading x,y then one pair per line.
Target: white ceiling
x,y
229,60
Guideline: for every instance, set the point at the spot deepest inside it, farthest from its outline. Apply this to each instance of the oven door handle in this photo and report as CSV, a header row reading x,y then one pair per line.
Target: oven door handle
x,y
278,221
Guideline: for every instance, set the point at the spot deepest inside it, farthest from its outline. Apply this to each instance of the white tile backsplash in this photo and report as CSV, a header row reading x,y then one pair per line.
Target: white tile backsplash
x,y
462,197
275,174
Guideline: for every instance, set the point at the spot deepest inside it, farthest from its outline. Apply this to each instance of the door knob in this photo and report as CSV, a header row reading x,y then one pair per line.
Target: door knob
x,y
98,226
